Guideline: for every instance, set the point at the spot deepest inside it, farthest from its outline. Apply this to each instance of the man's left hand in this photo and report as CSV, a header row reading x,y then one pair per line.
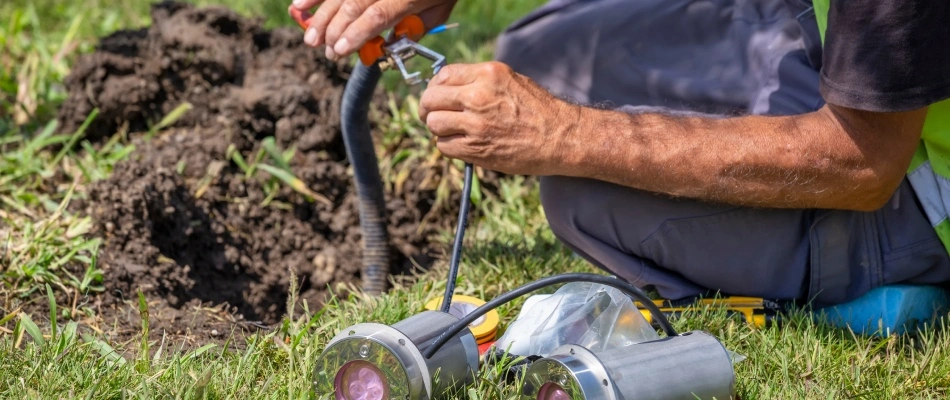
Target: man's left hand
x,y
491,116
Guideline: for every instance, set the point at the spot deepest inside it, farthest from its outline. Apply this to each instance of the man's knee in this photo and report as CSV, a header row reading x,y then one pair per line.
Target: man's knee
x,y
552,200
560,200
580,209
594,207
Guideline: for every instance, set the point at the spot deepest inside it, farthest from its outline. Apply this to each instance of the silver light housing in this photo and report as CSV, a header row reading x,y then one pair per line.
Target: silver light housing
x,y
693,365
376,361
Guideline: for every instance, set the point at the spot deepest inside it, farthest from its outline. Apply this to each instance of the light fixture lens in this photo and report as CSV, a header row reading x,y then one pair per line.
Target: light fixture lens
x,y
552,391
360,380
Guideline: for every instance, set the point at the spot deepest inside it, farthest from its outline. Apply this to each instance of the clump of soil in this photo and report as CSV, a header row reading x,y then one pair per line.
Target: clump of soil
x,y
185,223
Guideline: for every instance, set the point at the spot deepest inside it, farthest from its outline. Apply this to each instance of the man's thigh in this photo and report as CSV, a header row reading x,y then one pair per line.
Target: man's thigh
x,y
685,247
681,247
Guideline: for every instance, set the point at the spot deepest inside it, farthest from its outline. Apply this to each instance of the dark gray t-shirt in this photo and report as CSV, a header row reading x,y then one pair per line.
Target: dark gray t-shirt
x,y
886,55
734,57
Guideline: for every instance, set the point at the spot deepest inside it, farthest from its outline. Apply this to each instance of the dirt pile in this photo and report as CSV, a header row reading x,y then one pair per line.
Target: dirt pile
x,y
183,219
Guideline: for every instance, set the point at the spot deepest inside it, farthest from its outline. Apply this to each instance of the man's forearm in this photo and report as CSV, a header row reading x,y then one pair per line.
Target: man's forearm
x,y
831,158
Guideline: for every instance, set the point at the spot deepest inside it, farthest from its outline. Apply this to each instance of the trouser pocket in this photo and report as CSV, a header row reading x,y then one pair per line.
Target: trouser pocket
x,y
845,256
911,251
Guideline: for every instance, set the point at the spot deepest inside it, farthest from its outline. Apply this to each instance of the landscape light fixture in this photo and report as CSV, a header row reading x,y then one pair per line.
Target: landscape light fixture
x,y
371,361
693,365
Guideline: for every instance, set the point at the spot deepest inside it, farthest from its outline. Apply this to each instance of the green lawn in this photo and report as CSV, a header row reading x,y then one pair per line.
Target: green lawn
x,y
55,357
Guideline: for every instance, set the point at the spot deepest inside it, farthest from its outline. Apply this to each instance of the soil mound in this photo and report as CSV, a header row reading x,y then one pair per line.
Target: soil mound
x,y
183,219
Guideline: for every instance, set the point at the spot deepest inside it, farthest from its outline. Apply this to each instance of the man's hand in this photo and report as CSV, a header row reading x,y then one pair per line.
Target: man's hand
x,y
491,116
345,25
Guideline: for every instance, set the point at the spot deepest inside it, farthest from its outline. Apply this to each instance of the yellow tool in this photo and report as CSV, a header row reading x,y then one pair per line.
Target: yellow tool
x,y
755,311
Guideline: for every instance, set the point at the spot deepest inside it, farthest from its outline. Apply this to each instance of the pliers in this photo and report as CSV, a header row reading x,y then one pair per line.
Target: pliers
x,y
400,45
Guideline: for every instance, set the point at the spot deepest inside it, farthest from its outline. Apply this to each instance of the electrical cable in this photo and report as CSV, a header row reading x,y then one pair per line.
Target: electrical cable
x,y
459,236
464,208
623,286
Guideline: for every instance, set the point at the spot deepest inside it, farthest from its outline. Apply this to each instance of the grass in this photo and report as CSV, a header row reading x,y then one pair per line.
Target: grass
x,y
46,252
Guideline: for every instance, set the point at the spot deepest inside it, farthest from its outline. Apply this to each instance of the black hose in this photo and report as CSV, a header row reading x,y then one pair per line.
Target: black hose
x,y
354,120
626,287
459,238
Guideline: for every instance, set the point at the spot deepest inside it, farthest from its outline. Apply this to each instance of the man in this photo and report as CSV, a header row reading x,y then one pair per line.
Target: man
x,y
816,171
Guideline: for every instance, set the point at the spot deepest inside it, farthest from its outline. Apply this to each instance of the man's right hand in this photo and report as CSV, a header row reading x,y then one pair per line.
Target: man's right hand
x,y
345,25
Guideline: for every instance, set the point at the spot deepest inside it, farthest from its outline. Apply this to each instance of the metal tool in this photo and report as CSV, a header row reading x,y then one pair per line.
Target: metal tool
x,y
398,47
755,311
403,49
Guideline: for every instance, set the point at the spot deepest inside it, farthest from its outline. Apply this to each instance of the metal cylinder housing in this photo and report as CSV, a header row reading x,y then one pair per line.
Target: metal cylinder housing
x,y
693,365
397,353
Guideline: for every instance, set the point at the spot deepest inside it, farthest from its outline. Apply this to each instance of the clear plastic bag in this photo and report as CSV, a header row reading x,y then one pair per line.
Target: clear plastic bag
x,y
595,316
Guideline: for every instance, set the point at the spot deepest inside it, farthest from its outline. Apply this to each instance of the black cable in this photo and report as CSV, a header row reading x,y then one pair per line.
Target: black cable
x,y
459,232
626,287
459,236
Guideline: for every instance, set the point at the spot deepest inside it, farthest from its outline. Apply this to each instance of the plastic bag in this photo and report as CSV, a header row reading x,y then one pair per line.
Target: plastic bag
x,y
595,316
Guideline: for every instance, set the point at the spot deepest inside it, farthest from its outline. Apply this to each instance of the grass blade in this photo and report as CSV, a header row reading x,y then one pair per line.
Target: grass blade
x,y
143,312
75,137
39,141
201,350
271,148
158,353
104,350
476,190
8,317
238,159
33,330
69,332
52,311
70,33
171,118
295,183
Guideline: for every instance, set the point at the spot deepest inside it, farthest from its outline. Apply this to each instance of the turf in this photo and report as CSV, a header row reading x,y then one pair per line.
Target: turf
x,y
46,251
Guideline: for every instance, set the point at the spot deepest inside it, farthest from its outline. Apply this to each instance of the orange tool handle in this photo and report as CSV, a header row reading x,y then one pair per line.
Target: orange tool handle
x,y
302,17
410,27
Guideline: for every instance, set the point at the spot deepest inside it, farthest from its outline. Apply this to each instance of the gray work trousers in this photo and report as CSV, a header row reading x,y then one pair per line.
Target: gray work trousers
x,y
711,56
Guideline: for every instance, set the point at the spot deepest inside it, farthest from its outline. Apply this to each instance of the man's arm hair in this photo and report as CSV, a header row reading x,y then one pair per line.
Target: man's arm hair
x,y
835,157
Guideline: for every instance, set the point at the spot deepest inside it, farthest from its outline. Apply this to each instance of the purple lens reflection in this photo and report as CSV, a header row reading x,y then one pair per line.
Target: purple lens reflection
x,y
360,380
552,391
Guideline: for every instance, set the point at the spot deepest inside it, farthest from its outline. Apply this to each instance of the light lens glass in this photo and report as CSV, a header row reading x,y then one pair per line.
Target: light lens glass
x,y
549,379
360,380
359,360
552,391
